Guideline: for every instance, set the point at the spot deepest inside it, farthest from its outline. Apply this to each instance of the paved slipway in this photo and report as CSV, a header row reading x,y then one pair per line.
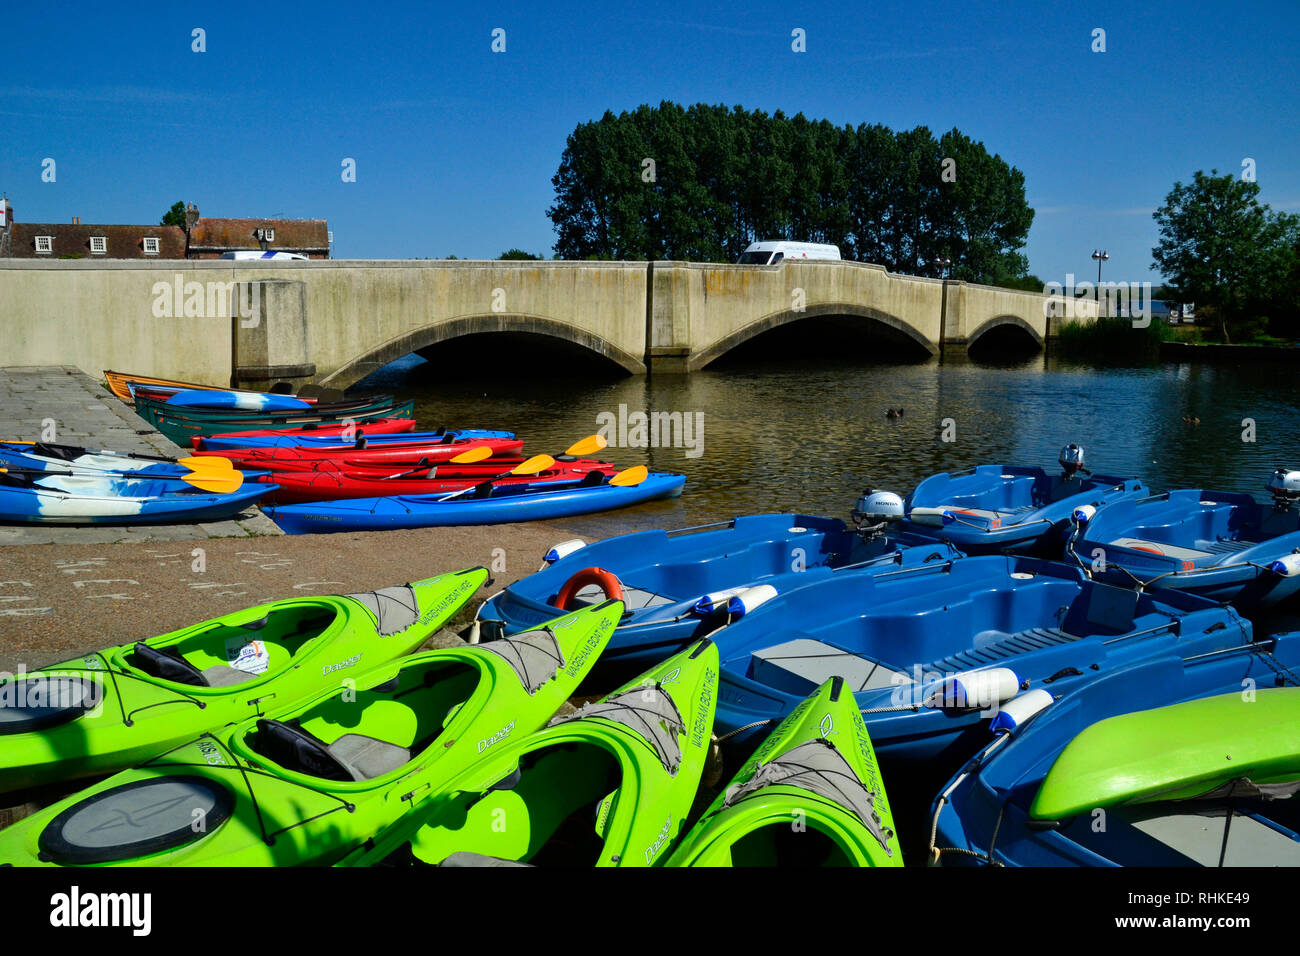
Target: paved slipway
x,y
68,590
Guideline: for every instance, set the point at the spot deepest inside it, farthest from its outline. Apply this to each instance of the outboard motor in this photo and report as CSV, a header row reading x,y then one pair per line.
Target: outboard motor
x,y
875,509
1284,486
1071,459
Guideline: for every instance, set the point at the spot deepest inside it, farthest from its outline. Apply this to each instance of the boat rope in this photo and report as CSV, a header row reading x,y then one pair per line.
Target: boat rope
x,y
741,730
934,852
656,720
540,642
247,770
1278,668
834,780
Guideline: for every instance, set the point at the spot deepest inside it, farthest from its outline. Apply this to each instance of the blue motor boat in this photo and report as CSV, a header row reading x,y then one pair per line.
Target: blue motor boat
x,y
1215,800
680,585
1221,544
1012,508
932,650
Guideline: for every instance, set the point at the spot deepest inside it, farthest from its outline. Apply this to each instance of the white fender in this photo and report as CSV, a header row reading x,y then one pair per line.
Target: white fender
x,y
749,599
715,601
1018,710
1286,566
937,517
971,690
1083,514
564,549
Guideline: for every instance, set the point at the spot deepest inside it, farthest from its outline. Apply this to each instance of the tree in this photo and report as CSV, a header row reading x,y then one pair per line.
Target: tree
x,y
517,254
1220,247
702,183
175,216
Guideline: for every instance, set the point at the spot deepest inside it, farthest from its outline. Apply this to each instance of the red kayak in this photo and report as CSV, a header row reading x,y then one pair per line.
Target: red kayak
x,y
398,454
327,484
379,426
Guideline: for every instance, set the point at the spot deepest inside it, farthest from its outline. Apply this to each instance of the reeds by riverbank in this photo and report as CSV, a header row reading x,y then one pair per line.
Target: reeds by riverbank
x,y
1112,341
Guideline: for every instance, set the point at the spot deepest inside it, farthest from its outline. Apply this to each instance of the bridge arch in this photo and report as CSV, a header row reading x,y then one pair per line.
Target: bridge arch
x,y
789,316
1006,322
358,368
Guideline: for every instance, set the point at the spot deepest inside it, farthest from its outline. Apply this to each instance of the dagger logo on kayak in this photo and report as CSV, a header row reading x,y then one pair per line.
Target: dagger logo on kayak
x,y
827,726
496,738
119,817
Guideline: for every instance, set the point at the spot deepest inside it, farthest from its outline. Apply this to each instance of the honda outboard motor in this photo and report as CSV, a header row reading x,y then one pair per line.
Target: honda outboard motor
x,y
1071,459
1284,486
875,509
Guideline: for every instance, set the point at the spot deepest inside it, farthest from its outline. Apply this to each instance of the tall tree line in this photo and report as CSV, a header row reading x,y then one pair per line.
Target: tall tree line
x,y
701,183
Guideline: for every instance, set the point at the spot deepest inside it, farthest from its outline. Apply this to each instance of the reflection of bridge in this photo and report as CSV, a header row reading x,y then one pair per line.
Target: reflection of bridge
x,y
336,321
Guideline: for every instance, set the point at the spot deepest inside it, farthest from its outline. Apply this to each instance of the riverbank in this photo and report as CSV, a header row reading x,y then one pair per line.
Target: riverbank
x,y
60,601
1218,352
64,405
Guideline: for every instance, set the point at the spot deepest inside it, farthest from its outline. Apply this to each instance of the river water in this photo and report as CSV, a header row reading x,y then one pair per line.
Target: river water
x,y
807,434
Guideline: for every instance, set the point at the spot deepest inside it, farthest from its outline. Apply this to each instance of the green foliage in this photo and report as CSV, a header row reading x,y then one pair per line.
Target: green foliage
x,y
1111,341
1222,249
723,178
517,254
175,216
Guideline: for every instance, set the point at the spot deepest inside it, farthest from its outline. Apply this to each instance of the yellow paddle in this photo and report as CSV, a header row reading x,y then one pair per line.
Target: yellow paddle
x,y
473,455
632,476
221,482
530,467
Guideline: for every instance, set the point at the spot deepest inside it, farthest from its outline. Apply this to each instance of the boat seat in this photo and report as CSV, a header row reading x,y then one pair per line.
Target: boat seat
x,y
466,858
807,663
223,675
1229,547
634,599
366,757
994,650
1160,547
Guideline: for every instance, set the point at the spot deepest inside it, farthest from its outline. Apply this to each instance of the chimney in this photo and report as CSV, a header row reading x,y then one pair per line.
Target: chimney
x,y
76,220
191,218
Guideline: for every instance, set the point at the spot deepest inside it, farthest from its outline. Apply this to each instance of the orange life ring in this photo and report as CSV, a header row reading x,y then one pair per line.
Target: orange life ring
x,y
608,583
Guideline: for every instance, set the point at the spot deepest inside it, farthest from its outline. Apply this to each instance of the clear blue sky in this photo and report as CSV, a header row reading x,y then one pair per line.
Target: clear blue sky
x,y
455,146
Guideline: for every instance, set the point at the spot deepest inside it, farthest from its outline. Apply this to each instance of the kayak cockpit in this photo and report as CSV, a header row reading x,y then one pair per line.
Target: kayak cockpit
x,y
560,801
227,655
363,734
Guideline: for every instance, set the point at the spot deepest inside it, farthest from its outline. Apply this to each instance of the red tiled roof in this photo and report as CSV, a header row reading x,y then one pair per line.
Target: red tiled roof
x,y
291,235
123,242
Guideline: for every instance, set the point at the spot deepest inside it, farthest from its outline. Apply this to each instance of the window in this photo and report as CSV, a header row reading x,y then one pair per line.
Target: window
x,y
150,246
45,244
98,245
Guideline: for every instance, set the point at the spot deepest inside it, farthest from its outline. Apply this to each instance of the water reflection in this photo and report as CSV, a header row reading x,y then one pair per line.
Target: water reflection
x,y
809,433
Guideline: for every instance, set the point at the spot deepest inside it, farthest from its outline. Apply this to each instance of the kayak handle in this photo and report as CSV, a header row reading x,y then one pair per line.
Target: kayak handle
x,y
920,569
731,523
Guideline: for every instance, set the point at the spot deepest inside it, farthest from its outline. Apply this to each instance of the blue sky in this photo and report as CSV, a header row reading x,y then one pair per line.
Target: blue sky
x,y
455,146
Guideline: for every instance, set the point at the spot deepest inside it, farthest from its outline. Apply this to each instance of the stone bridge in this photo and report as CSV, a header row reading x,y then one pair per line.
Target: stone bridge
x,y
335,321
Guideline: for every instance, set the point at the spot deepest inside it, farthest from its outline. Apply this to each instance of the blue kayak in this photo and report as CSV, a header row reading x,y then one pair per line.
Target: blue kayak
x,y
244,401
41,456
116,499
1202,812
526,501
992,508
1222,544
678,586
929,650
442,436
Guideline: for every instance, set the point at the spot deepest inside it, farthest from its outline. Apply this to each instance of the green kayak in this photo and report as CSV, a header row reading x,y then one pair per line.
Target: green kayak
x,y
113,708
610,785
811,795
312,780
1183,751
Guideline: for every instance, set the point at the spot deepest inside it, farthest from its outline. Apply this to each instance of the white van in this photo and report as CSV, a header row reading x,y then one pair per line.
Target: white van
x,y
770,253
259,254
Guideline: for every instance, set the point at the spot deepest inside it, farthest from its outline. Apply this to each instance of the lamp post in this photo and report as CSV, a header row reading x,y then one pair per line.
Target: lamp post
x,y
945,265
1101,255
